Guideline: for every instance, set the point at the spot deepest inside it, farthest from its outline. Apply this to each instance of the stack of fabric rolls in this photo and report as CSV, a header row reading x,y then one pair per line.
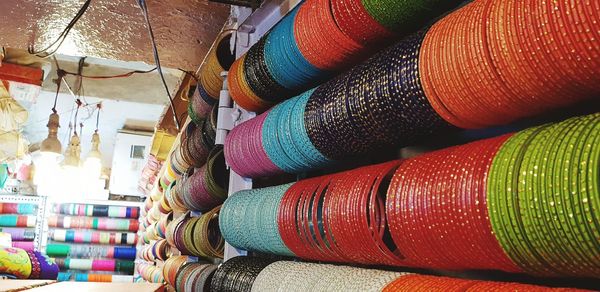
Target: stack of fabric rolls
x,y
18,220
92,242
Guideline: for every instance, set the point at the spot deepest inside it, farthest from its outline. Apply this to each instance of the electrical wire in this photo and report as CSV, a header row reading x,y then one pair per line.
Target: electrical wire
x,y
130,73
49,50
144,9
99,107
190,74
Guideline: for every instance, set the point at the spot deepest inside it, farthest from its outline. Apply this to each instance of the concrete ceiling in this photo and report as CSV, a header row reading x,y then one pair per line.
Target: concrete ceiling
x,y
184,29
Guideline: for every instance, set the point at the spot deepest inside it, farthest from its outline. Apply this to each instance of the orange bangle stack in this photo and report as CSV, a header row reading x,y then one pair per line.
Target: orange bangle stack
x,y
171,267
240,90
492,62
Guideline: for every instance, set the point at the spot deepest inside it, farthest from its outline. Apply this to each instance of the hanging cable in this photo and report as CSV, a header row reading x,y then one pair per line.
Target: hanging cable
x,y
61,75
79,103
190,74
99,107
80,66
127,74
54,46
142,4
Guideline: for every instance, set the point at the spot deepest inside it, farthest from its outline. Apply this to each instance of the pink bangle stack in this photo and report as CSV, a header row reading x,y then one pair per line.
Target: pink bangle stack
x,y
246,139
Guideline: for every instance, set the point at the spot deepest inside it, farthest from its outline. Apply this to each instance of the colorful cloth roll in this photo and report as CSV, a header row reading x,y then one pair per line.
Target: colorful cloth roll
x,y
48,267
18,208
16,262
91,277
92,223
19,234
26,245
96,265
96,237
91,251
97,210
17,220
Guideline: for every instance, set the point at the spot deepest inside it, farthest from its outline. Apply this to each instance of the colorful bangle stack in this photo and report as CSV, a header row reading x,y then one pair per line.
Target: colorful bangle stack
x,y
158,250
467,71
90,277
170,268
200,105
297,276
482,205
150,273
172,233
174,197
238,274
436,208
25,245
196,143
443,284
219,59
206,187
200,236
505,70
244,152
543,198
194,277
254,228
320,37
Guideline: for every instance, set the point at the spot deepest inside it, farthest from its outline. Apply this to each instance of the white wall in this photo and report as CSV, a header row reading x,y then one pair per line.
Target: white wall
x,y
125,173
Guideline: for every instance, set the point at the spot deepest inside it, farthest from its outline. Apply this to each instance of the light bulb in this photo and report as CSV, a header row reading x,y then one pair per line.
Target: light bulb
x,y
92,168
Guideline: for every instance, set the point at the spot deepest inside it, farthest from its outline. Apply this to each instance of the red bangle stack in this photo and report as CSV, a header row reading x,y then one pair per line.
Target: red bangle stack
x,y
356,23
340,217
437,209
320,40
416,282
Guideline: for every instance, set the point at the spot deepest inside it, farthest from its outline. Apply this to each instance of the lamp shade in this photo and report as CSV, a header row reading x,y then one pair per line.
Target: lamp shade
x,y
52,144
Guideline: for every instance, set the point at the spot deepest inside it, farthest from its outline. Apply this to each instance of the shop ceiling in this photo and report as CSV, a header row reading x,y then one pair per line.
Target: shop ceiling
x,y
184,29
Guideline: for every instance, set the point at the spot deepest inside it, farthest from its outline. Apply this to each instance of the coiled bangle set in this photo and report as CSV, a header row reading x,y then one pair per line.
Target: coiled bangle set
x,y
317,39
483,195
471,69
524,202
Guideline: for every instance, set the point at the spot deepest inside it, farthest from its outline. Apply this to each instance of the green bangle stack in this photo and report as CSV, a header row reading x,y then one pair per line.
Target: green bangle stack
x,y
543,197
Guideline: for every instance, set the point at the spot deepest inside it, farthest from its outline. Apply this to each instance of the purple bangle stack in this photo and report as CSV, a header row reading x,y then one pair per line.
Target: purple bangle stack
x,y
246,140
195,193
